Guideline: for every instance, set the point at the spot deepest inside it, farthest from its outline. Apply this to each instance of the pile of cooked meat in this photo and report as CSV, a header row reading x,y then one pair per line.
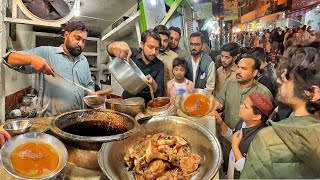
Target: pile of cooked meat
x,y
161,156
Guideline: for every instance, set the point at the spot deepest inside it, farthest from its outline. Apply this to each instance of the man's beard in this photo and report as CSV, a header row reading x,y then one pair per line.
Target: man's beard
x,y
226,65
164,49
147,58
195,52
74,51
173,48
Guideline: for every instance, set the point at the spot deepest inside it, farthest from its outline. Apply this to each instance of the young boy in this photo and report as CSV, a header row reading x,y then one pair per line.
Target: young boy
x,y
253,113
179,84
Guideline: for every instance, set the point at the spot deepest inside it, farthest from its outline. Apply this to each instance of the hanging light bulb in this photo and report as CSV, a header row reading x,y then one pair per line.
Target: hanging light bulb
x,y
77,8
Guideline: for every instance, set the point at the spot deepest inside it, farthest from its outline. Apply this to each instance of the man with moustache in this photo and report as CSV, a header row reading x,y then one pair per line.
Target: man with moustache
x,y
228,70
175,35
57,96
165,54
201,68
233,94
146,59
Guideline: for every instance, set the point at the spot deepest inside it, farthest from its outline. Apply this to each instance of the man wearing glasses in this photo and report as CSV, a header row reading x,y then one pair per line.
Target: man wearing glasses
x,y
201,68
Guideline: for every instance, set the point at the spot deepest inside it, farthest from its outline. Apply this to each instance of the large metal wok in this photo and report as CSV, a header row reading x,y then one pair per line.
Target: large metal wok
x,y
109,118
200,140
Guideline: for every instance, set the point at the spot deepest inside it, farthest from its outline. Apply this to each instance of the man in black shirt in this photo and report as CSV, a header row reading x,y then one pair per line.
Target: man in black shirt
x,y
266,75
146,59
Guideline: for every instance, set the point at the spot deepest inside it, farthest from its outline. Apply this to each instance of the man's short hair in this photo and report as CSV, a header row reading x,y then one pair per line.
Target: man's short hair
x,y
232,48
198,34
257,62
176,29
162,29
75,25
258,53
180,61
150,33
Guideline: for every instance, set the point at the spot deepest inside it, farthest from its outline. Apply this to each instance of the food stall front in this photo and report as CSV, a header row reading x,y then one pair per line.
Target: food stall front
x,y
80,163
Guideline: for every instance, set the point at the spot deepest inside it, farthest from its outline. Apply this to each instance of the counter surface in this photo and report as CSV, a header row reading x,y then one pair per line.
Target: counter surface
x,y
72,171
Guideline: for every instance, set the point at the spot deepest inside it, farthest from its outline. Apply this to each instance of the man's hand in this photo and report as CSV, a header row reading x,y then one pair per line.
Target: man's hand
x,y
218,105
151,82
120,50
236,138
218,117
41,65
4,136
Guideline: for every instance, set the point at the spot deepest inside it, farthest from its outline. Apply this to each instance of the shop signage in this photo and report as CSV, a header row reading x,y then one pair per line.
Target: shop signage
x,y
231,15
202,11
300,4
230,4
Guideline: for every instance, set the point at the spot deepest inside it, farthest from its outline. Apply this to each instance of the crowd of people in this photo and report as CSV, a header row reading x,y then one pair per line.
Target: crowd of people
x,y
268,114
276,40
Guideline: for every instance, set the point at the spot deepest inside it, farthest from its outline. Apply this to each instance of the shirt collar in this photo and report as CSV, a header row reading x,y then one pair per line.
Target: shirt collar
x,y
234,68
199,59
249,87
166,52
60,50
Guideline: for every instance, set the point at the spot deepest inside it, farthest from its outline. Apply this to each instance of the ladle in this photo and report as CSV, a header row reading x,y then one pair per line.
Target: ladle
x,y
94,100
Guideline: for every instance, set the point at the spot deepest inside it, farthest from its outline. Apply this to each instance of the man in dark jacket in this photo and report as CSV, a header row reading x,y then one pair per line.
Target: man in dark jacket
x,y
146,59
266,75
201,68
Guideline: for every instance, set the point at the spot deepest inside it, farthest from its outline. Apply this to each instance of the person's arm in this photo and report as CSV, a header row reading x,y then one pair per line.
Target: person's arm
x,y
226,132
211,79
120,50
159,81
4,136
16,59
240,159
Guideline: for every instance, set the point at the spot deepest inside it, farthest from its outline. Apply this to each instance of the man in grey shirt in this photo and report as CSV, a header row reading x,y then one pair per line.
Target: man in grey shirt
x,y
57,96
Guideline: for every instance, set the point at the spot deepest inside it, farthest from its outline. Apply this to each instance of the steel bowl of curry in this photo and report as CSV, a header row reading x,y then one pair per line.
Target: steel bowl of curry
x,y
196,103
34,156
160,106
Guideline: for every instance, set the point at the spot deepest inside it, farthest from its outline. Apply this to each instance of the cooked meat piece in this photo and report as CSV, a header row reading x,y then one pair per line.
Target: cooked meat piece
x,y
180,140
171,152
163,139
173,174
152,152
140,164
139,177
190,163
27,154
155,169
163,157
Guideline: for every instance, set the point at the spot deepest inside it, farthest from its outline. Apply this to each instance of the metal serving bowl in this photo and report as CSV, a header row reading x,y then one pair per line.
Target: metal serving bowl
x,y
196,91
9,147
130,106
200,140
128,75
17,127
